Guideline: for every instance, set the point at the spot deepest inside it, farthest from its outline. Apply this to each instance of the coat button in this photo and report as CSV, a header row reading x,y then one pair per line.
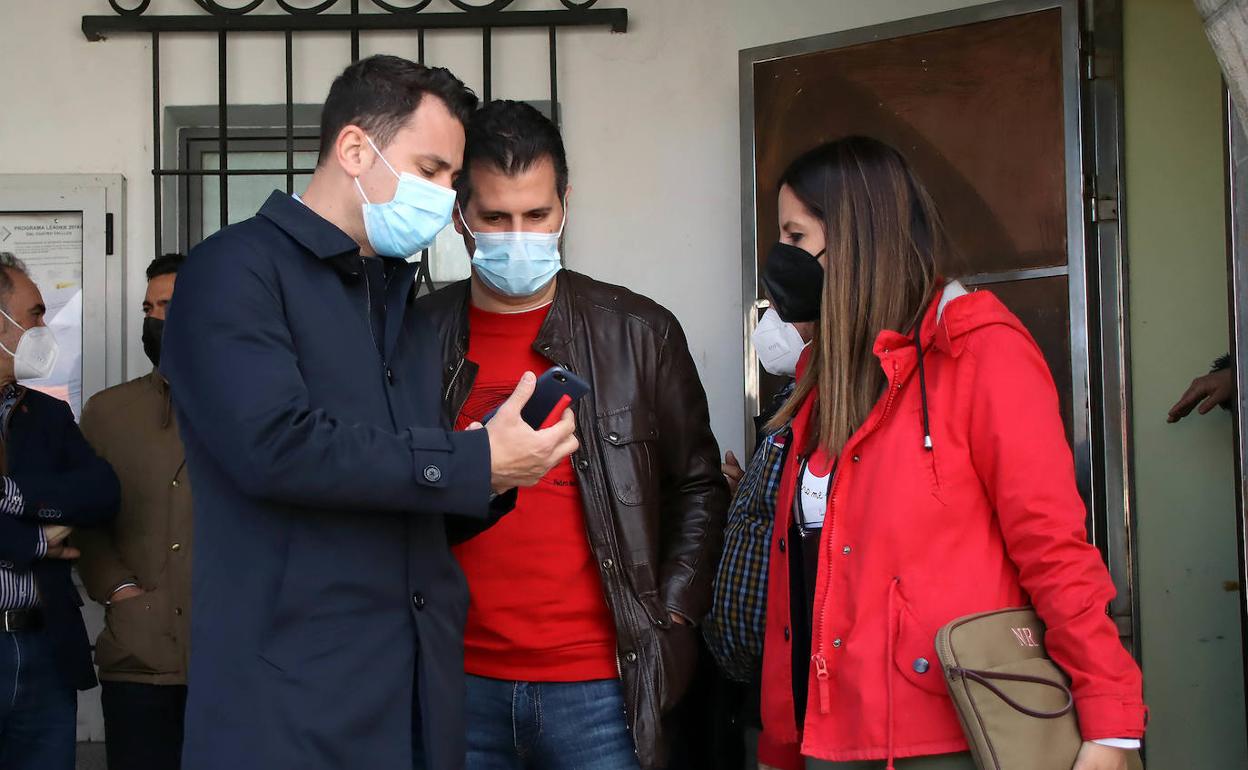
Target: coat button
x,y
845,550
781,545
630,656
433,474
607,563
390,375
857,458
836,642
921,665
418,601
787,634
613,437
177,610
175,483
175,547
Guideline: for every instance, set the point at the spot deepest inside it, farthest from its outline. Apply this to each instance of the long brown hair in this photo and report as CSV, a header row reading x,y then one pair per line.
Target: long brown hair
x,y
884,240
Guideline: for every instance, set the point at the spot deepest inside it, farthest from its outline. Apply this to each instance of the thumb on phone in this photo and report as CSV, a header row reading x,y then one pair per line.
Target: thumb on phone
x,y
519,397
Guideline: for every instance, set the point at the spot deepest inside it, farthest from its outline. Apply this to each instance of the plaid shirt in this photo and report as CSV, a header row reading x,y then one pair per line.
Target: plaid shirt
x,y
737,622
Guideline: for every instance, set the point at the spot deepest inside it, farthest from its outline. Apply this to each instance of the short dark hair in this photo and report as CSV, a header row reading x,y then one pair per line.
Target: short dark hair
x,y
166,264
511,137
380,93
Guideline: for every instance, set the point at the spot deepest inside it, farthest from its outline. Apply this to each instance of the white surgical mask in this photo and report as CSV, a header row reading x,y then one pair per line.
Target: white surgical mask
x,y
777,344
35,357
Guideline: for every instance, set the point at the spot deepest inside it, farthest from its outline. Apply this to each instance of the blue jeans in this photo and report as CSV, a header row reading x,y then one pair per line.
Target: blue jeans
x,y
38,708
548,726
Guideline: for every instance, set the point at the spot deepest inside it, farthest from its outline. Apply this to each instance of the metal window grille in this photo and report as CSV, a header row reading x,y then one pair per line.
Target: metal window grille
x,y
344,16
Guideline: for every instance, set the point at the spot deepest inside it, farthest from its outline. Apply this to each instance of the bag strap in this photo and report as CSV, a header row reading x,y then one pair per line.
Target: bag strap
x,y
983,677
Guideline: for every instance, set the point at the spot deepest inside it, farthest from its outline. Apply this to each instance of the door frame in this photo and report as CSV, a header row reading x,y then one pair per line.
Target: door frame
x,y
1096,267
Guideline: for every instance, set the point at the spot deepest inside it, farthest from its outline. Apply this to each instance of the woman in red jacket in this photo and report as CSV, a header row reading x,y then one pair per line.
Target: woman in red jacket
x,y
928,478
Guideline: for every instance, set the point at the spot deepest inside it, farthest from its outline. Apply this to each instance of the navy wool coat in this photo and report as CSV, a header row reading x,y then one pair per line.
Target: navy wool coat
x,y
327,610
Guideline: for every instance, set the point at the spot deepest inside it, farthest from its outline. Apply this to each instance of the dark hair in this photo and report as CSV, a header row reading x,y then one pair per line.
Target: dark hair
x,y
511,137
884,240
167,264
380,93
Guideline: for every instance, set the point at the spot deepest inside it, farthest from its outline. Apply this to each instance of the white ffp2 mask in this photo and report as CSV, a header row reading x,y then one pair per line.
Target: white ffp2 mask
x,y
36,353
777,344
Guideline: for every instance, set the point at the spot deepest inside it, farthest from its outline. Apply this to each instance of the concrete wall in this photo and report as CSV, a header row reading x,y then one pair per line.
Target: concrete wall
x,y
1176,242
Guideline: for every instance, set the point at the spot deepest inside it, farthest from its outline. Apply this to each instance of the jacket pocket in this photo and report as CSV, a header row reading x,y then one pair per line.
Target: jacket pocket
x,y
915,652
627,440
678,661
136,639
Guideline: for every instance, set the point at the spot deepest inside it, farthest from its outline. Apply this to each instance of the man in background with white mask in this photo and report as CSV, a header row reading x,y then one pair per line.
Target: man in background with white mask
x,y
793,279
580,637
327,610
51,481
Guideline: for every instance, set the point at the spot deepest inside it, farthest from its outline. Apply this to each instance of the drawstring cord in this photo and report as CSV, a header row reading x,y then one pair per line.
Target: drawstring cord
x,y
927,427
890,643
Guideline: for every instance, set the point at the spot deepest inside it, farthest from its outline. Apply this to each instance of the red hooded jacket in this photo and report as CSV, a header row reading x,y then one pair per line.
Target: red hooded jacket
x,y
988,518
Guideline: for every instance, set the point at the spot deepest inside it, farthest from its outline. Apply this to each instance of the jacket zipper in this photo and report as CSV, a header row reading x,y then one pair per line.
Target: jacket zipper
x,y
819,658
451,386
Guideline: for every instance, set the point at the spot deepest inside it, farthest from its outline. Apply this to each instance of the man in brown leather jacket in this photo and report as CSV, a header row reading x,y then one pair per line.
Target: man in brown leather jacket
x,y
139,566
580,637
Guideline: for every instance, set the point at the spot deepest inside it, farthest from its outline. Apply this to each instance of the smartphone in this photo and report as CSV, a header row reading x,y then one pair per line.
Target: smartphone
x,y
557,389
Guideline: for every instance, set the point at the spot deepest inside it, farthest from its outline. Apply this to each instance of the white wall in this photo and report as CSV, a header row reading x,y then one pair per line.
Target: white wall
x,y
650,120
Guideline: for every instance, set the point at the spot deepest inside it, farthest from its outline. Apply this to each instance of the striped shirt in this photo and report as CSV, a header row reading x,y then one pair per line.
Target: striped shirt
x,y
17,585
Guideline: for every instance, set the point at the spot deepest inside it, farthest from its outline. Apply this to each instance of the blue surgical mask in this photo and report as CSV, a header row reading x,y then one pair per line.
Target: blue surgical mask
x,y
409,222
517,264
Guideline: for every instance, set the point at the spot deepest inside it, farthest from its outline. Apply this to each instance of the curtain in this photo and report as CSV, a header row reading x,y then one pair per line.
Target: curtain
x,y
1226,23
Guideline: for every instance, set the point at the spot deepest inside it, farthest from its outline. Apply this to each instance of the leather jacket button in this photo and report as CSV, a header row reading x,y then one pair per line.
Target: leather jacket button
x,y
607,563
630,656
582,464
836,642
613,437
921,665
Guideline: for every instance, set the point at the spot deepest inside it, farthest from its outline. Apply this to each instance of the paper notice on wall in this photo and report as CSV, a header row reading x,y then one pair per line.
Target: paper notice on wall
x,y
50,243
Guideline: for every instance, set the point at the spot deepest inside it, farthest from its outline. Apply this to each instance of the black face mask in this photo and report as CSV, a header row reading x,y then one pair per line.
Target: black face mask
x,y
153,331
794,279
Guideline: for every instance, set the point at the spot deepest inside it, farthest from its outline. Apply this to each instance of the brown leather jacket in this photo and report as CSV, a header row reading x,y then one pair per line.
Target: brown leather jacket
x,y
649,475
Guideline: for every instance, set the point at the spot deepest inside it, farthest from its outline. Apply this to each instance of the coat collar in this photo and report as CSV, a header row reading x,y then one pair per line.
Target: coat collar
x,y
315,233
552,339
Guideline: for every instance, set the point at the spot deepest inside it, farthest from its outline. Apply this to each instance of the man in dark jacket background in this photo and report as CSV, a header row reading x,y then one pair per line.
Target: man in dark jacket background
x,y
580,639
52,481
327,610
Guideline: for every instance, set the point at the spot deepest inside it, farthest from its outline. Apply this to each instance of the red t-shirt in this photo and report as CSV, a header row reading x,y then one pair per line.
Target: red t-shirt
x,y
538,613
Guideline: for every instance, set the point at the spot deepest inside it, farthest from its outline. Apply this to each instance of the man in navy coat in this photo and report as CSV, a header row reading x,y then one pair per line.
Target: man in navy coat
x,y
327,610
51,481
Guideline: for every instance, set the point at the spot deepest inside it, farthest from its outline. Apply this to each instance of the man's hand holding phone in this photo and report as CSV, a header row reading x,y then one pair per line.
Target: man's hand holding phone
x,y
519,455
